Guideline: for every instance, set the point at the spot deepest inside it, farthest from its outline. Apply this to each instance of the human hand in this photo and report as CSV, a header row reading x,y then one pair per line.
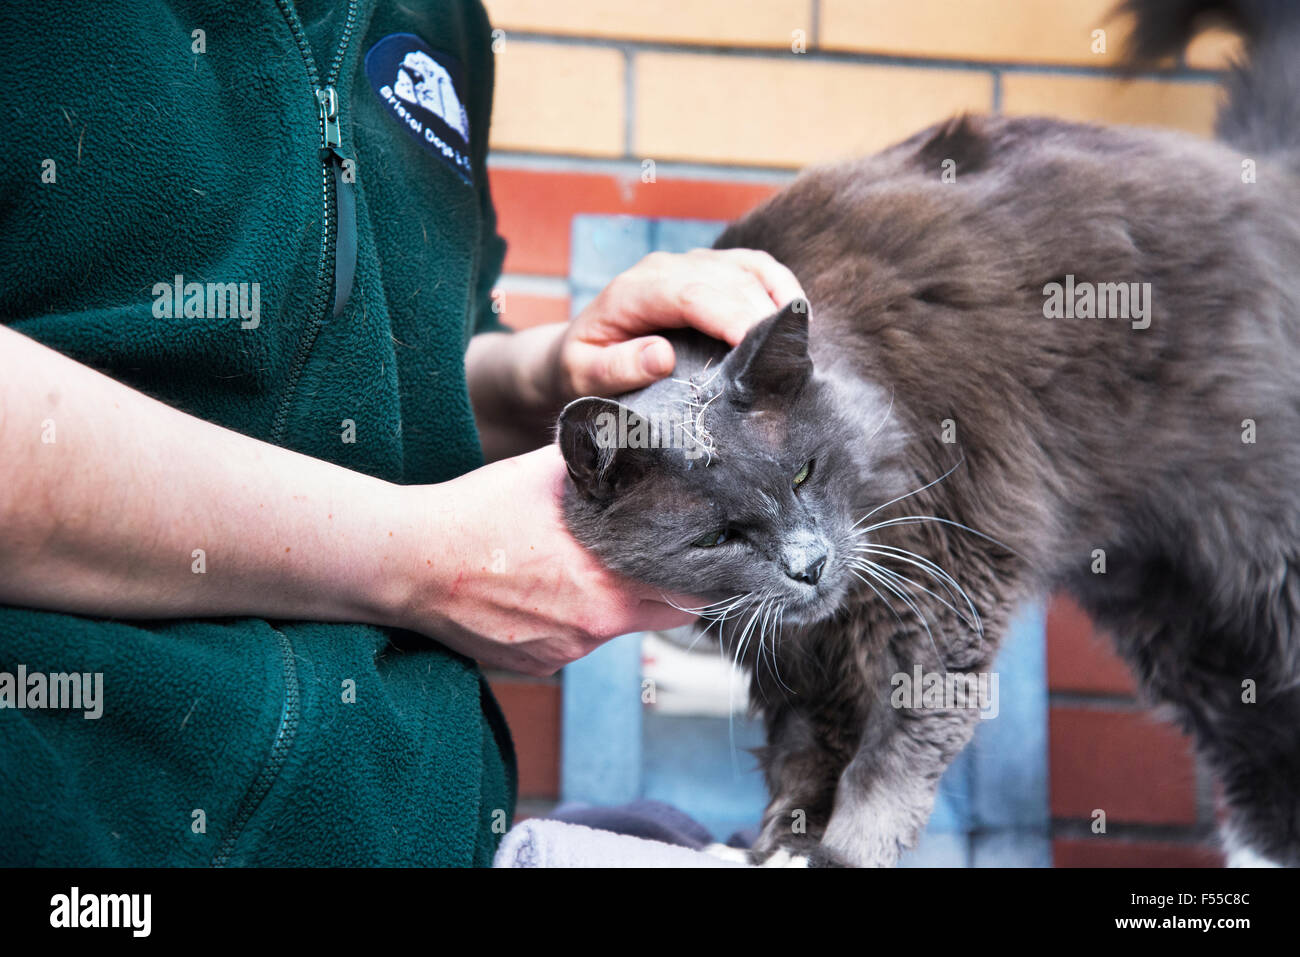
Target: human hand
x,y
610,347
490,570
519,382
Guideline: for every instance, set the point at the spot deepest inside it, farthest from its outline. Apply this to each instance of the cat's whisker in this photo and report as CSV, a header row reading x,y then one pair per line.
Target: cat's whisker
x,y
912,606
853,570
715,613
955,592
731,690
975,625
910,494
769,623
935,571
749,630
742,638
874,570
769,619
885,420
921,519
741,642
932,566
776,637
702,610
902,582
729,607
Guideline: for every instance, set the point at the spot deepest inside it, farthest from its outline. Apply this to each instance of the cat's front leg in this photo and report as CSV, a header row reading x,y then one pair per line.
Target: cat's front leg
x,y
788,839
802,763
886,793
854,787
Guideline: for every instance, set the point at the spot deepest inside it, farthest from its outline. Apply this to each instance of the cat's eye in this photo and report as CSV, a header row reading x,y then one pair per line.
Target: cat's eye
x,y
801,476
715,537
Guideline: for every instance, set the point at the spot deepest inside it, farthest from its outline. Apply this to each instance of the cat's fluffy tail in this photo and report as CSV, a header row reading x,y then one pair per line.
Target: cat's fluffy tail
x,y
1262,112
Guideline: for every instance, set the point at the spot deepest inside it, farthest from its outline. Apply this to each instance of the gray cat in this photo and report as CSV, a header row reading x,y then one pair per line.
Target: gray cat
x,y
1071,362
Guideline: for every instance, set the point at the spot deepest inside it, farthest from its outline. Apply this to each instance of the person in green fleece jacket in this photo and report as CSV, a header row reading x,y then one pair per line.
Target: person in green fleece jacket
x,y
249,374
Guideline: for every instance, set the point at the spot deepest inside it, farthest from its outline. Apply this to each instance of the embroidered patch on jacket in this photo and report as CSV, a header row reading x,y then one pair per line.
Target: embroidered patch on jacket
x,y
424,91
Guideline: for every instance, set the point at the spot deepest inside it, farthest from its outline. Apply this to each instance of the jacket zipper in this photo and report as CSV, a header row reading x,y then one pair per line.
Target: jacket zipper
x,y
329,271
336,264
280,744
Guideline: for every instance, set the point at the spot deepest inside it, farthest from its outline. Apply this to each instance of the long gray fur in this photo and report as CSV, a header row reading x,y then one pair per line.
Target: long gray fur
x,y
1171,451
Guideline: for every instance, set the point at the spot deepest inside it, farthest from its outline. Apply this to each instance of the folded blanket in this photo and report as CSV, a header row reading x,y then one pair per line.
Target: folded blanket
x,y
542,843
644,818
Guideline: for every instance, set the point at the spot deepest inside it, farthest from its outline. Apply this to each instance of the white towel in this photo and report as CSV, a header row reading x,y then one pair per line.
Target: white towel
x,y
542,843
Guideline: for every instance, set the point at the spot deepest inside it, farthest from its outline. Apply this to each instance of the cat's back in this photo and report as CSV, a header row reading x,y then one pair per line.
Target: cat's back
x,y
933,262
941,270
993,204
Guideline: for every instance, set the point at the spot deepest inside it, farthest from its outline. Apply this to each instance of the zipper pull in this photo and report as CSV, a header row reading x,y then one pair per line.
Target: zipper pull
x,y
345,203
328,101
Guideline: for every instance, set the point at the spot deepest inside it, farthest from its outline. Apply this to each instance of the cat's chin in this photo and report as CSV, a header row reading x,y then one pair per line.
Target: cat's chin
x,y
809,611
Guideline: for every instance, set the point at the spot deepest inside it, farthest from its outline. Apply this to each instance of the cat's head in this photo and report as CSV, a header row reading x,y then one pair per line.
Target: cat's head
x,y
752,488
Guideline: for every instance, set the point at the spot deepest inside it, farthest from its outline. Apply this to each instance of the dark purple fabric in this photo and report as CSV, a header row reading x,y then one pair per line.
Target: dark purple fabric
x,y
652,820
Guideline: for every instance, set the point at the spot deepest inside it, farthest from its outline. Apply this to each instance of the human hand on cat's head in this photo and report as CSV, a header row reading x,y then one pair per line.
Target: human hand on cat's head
x,y
611,347
493,572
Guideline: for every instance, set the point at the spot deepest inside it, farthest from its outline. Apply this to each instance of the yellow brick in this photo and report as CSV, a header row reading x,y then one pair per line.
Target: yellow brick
x,y
558,98
1184,106
741,22
1214,49
1038,31
788,111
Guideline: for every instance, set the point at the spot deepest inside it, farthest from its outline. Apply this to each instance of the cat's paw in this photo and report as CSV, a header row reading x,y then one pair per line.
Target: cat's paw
x,y
781,857
727,853
805,854
822,856
785,858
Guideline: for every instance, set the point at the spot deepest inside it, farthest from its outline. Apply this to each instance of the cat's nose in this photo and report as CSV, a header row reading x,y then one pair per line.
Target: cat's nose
x,y
806,565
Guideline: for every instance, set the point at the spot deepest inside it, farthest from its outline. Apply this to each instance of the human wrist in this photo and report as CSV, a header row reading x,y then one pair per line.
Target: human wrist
x,y
516,387
541,386
374,578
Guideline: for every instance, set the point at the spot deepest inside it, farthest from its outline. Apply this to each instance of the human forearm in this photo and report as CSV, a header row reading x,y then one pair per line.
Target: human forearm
x,y
112,503
105,517
512,388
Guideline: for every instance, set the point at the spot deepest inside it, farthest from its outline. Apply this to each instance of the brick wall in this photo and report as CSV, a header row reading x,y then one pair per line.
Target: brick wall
x,y
728,98
1108,753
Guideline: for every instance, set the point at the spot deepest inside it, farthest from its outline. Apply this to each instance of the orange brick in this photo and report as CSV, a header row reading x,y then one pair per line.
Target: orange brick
x,y
1037,31
536,208
532,710
755,23
1078,658
1102,852
788,111
1185,106
524,310
558,98
1124,763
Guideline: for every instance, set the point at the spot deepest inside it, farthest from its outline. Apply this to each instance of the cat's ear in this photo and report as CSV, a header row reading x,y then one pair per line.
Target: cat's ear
x,y
958,146
603,445
772,360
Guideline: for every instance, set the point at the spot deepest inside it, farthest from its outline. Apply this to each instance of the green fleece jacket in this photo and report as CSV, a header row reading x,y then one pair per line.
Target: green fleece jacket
x,y
333,154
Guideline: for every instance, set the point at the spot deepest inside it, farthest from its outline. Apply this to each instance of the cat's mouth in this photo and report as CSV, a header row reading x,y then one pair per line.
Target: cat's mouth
x,y
811,605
